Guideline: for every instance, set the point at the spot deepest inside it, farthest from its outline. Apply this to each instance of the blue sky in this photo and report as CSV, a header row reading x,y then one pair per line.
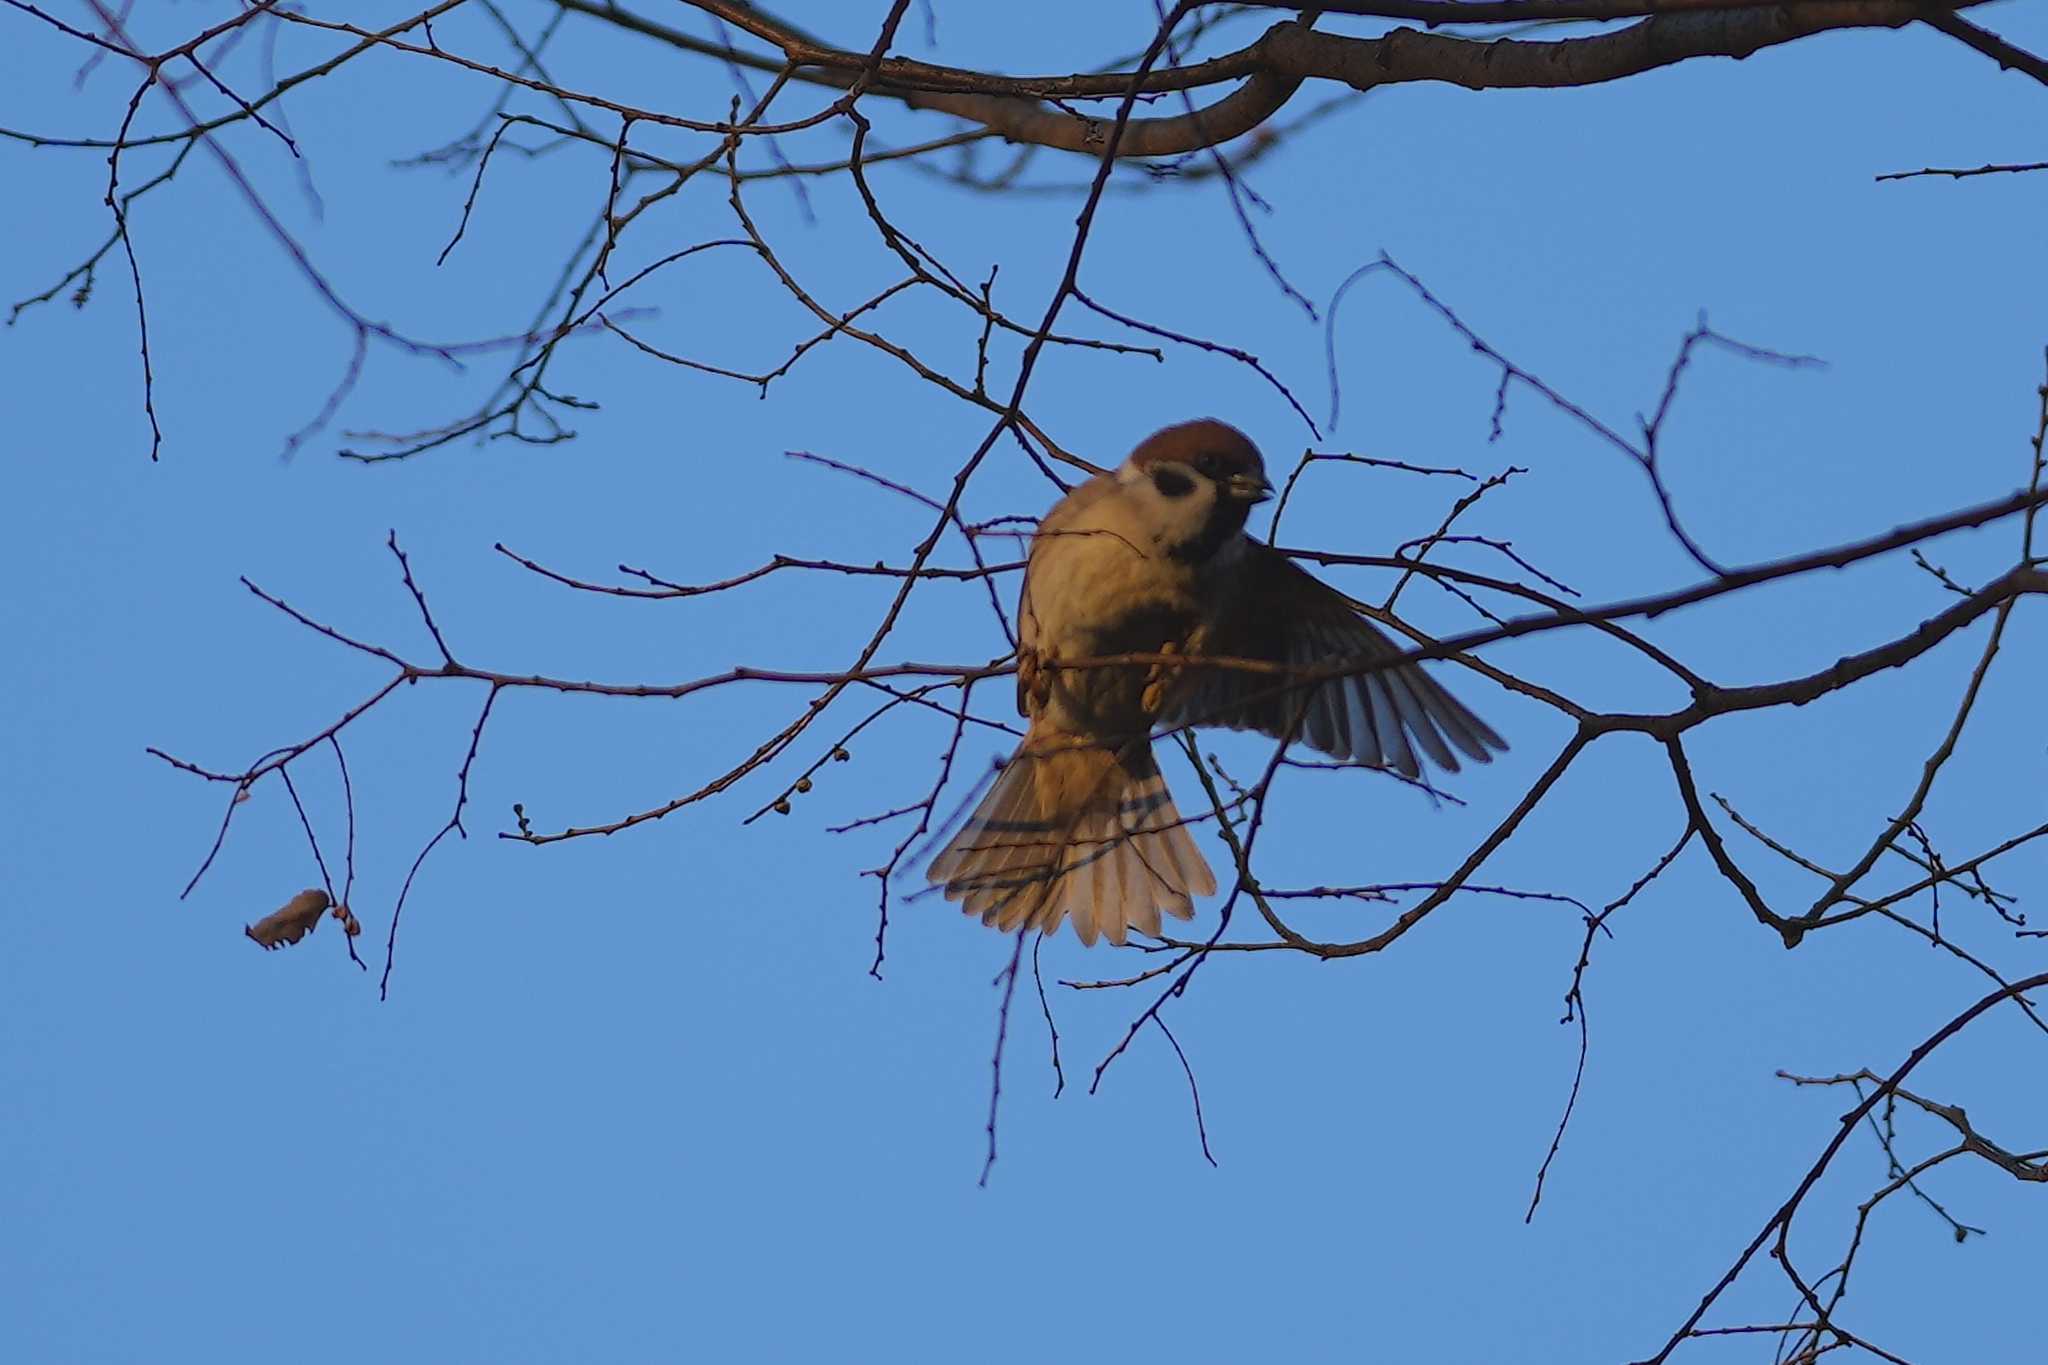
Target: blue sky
x,y
638,1098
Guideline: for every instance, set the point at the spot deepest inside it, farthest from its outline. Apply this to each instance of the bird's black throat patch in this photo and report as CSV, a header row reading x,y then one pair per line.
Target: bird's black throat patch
x,y
1226,519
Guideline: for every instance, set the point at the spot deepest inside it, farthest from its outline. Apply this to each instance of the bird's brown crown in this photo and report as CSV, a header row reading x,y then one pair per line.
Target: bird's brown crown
x,y
1217,449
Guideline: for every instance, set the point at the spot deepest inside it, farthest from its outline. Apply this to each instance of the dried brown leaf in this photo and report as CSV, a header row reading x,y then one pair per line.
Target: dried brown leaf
x,y
290,922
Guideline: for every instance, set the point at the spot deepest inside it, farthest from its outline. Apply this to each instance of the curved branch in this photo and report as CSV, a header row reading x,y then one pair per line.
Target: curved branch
x,y
1781,1221
1231,117
1290,53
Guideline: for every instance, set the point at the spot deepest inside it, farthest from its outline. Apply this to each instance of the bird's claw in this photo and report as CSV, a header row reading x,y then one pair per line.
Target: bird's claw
x,y
1160,681
1034,676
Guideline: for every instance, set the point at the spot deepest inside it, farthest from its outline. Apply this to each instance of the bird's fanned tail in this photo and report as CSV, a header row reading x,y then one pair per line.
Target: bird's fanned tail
x,y
1078,831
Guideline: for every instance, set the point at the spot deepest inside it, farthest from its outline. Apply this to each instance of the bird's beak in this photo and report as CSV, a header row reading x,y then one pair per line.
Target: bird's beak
x,y
1249,488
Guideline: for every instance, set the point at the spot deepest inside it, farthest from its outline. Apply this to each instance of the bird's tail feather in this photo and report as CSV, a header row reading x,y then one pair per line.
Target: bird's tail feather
x,y
1079,831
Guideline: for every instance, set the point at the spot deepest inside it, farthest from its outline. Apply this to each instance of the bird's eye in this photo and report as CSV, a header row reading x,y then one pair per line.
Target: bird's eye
x,y
1210,464
1172,483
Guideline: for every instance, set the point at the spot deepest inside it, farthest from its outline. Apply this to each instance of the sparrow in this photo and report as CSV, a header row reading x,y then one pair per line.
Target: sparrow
x,y
1152,558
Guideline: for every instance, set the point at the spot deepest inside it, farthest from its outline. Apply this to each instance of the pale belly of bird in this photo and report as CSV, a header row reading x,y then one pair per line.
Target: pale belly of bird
x,y
1117,702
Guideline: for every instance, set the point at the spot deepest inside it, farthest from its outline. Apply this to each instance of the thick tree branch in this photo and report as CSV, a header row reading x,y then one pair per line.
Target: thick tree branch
x,y
1288,54
1406,55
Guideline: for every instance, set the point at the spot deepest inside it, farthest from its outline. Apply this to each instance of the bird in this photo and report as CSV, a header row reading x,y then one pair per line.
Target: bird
x,y
1152,558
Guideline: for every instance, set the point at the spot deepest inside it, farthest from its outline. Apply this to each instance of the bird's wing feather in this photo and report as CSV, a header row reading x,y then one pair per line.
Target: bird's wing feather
x,y
1280,613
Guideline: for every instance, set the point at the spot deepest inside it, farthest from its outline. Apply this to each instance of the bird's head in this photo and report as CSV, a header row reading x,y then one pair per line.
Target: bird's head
x,y
1197,482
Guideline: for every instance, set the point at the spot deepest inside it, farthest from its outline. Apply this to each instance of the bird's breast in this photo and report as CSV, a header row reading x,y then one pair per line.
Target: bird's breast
x,y
1100,588
1095,589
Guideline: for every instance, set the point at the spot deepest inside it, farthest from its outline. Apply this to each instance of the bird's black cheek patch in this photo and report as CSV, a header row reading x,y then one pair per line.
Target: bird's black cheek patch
x,y
1172,483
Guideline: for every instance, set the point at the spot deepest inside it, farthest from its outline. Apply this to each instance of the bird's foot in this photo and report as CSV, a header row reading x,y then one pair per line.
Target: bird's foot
x,y
1161,681
1034,676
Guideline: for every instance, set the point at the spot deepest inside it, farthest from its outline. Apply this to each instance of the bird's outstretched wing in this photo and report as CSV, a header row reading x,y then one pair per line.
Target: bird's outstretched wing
x,y
1280,613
